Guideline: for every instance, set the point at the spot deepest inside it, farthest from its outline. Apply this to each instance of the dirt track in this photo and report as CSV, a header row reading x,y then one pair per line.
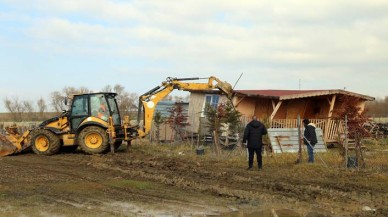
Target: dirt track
x,y
138,183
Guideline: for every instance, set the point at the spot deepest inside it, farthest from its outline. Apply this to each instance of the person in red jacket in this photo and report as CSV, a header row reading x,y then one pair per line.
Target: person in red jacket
x,y
253,135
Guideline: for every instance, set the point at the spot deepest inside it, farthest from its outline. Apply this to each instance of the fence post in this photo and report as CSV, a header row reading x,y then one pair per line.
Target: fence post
x,y
346,141
299,141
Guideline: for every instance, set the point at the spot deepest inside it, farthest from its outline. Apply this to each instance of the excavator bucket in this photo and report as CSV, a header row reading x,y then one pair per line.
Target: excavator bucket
x,y
226,88
6,147
13,142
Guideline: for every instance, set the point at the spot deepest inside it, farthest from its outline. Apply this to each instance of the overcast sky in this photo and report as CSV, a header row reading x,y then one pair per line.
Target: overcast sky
x,y
46,45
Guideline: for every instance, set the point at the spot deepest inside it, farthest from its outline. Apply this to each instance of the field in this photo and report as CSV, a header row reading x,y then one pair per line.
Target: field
x,y
165,180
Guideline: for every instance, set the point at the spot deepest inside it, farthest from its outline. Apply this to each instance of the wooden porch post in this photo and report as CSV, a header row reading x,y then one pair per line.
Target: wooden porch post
x,y
238,101
327,128
276,108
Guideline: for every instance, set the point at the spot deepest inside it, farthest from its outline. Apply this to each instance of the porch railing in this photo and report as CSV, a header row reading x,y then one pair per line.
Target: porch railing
x,y
331,128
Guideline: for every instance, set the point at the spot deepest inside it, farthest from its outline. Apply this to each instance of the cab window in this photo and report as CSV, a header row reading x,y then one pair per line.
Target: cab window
x,y
80,106
115,110
99,107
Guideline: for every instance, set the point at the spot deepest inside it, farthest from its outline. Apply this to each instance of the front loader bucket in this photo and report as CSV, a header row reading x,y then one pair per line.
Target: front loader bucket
x,y
6,147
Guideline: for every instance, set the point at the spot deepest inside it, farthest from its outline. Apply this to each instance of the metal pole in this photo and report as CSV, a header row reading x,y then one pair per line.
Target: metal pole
x,y
299,141
308,142
237,80
346,141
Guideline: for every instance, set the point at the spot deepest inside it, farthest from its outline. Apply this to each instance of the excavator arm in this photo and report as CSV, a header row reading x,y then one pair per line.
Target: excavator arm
x,y
149,100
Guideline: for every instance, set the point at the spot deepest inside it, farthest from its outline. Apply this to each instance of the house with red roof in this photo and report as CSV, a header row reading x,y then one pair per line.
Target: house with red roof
x,y
280,108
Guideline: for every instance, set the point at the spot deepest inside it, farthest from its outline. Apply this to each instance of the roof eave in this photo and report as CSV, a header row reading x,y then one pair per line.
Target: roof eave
x,y
327,92
256,95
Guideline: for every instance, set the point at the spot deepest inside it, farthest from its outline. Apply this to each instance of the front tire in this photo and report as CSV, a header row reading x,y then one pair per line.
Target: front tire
x,y
44,142
93,140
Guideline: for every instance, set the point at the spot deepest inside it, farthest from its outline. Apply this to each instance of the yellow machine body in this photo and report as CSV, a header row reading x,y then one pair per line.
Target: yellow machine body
x,y
94,123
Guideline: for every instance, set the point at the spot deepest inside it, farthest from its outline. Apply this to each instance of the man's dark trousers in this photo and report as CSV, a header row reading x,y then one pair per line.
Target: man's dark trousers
x,y
251,152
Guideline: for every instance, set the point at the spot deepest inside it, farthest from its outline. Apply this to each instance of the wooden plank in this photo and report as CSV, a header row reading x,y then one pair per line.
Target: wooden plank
x,y
286,140
275,110
279,145
327,129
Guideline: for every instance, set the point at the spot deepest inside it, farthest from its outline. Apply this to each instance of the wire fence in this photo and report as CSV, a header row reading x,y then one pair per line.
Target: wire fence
x,y
371,153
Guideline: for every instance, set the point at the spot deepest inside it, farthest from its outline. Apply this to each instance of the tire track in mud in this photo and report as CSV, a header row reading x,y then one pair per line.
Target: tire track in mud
x,y
222,182
243,185
58,170
209,177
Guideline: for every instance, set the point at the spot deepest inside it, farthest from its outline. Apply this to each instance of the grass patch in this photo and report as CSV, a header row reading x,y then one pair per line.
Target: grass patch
x,y
376,156
78,187
3,195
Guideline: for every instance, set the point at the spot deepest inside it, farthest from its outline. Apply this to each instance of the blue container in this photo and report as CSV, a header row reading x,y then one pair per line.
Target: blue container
x,y
200,151
352,162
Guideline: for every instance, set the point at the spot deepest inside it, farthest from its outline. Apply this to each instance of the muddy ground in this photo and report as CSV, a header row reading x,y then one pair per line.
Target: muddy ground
x,y
159,182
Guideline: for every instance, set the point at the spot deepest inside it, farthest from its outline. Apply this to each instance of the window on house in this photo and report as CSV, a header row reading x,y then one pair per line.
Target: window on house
x,y
211,100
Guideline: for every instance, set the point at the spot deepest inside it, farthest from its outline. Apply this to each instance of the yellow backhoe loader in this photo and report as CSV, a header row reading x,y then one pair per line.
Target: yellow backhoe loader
x,y
93,121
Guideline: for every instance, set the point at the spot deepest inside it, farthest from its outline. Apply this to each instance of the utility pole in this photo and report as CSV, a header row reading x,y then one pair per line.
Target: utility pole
x,y
299,83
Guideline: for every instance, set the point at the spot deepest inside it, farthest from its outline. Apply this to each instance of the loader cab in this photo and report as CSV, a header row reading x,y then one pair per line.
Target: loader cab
x,y
100,106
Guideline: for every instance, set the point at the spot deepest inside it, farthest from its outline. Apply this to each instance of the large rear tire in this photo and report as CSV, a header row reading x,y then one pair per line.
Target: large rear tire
x,y
44,142
93,140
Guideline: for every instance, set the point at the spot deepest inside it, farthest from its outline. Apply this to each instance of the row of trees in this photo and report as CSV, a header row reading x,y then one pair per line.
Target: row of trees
x,y
19,108
28,110
378,108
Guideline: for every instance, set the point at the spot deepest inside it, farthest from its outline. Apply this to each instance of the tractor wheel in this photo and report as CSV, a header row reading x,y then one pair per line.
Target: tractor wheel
x,y
93,140
45,142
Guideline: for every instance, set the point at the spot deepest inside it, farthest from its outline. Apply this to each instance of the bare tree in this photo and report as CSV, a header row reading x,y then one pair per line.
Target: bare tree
x,y
107,88
42,107
57,101
127,102
17,108
378,108
27,106
69,91
28,110
9,105
83,90
57,98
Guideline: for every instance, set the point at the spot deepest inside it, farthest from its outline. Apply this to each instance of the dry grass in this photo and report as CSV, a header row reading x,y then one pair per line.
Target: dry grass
x,y
376,155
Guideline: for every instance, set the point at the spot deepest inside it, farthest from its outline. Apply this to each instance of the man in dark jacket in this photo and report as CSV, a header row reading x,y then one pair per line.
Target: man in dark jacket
x,y
310,138
253,134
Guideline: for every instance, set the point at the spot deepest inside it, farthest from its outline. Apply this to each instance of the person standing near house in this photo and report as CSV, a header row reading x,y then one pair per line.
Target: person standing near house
x,y
253,135
310,138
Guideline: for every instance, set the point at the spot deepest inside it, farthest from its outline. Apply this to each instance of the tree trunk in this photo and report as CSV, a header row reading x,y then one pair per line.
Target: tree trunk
x,y
216,142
